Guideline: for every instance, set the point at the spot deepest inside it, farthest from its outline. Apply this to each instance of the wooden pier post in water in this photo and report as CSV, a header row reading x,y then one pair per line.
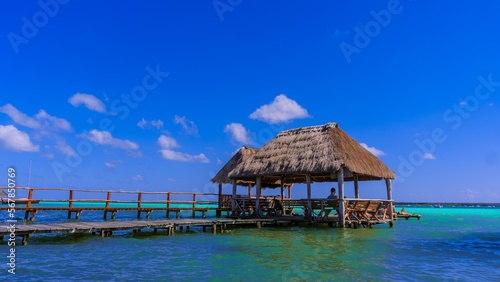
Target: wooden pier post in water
x,y
70,203
139,198
106,207
340,180
168,205
28,206
194,204
389,197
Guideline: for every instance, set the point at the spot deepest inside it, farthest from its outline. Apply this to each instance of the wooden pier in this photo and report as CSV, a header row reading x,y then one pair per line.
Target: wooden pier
x,y
106,228
134,201
357,213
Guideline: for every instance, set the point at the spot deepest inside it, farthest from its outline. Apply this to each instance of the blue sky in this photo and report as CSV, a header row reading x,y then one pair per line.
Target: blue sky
x,y
158,96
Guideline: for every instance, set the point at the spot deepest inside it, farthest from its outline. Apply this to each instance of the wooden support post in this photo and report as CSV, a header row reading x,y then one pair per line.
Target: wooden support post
x,y
203,214
155,230
178,214
148,213
220,196
233,198
139,198
340,180
249,190
108,199
282,190
388,185
70,203
30,197
290,191
32,217
26,215
218,212
113,213
204,228
194,205
214,228
356,187
168,205
257,195
309,203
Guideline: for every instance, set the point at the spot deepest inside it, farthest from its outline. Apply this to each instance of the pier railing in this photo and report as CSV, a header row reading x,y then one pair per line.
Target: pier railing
x,y
78,200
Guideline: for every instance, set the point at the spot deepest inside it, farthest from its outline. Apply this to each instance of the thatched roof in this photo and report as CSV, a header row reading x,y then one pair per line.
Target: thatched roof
x,y
243,154
316,150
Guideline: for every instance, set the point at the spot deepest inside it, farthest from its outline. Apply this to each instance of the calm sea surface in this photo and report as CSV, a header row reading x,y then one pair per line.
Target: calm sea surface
x,y
447,244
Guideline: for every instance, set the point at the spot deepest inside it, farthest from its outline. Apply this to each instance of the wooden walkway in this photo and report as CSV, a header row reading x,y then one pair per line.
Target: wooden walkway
x,y
106,228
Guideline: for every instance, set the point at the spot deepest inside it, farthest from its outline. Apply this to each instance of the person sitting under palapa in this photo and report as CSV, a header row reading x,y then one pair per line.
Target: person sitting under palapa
x,y
332,196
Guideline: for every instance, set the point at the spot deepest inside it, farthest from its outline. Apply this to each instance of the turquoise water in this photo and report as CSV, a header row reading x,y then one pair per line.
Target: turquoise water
x,y
447,244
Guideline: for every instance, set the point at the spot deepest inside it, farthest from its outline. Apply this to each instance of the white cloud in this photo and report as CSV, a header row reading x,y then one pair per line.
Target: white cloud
x,y
42,119
171,179
238,133
281,110
19,117
188,125
16,140
65,149
105,138
166,142
142,123
52,122
373,150
157,123
89,101
110,165
153,123
183,157
218,161
429,156
138,177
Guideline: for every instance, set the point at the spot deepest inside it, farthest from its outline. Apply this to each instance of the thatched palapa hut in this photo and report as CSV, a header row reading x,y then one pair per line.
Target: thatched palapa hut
x,y
244,153
323,153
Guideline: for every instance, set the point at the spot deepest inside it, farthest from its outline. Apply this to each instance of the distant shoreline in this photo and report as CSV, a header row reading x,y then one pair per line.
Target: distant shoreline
x,y
447,204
